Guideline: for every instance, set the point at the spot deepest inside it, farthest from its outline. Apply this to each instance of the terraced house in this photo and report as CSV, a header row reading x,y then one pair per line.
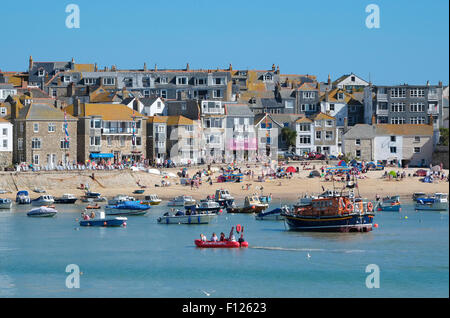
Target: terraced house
x,y
6,143
109,132
39,135
173,137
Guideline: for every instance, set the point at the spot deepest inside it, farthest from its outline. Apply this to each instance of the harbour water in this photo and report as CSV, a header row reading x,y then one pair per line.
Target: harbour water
x,y
147,259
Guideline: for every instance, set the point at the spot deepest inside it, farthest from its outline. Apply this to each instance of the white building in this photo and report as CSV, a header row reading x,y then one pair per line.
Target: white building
x,y
6,90
6,143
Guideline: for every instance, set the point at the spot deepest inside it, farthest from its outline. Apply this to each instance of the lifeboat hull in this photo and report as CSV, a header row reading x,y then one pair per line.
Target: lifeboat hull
x,y
220,244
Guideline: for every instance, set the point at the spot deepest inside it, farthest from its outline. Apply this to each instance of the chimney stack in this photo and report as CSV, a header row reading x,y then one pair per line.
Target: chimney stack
x,y
30,66
156,68
231,67
76,107
145,67
273,67
187,67
14,110
329,80
95,67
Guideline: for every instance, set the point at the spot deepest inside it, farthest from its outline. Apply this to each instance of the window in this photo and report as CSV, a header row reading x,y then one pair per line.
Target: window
x,y
54,93
329,123
393,138
201,81
146,81
352,78
109,81
5,131
219,81
417,120
163,80
95,141
309,95
96,123
332,107
183,106
417,92
3,111
51,127
416,139
163,93
109,141
64,144
358,153
416,149
417,107
318,135
398,92
398,107
138,141
158,105
122,141
5,143
328,135
305,139
66,78
35,159
340,96
182,80
318,123
41,72
128,81
161,144
358,142
36,143
305,127
89,81
161,128
36,127
19,143
393,149
146,93
267,77
397,120
217,93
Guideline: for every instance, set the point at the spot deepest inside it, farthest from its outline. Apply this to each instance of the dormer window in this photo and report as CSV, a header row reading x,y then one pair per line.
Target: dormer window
x,y
219,81
340,96
66,79
352,79
163,80
41,72
267,77
182,80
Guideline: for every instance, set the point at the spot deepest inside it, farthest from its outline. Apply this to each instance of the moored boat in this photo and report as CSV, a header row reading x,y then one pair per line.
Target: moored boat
x,y
120,198
42,211
252,204
391,204
273,215
43,200
66,199
151,199
182,200
331,214
220,244
437,202
102,221
22,197
418,195
224,198
205,206
127,208
181,217
5,203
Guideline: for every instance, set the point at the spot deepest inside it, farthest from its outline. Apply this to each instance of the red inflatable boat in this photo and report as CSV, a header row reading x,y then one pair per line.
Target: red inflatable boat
x,y
220,244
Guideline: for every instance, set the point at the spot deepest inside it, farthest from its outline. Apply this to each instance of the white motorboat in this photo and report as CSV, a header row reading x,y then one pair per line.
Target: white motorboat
x,y
43,200
273,215
437,202
181,217
120,198
5,204
42,211
205,206
182,200
151,199
22,197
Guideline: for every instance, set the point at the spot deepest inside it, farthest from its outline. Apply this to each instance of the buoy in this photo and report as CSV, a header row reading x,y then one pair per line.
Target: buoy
x,y
406,217
375,225
220,211
104,223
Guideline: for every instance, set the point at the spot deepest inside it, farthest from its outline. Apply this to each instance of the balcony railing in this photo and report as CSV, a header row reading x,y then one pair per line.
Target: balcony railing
x,y
382,112
382,96
432,96
120,131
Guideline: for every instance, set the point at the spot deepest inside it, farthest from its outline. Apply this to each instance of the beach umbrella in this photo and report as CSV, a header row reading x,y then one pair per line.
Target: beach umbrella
x,y
342,163
290,169
393,173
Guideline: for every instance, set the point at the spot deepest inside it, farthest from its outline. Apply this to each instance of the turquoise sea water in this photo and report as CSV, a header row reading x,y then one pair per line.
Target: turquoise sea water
x,y
147,259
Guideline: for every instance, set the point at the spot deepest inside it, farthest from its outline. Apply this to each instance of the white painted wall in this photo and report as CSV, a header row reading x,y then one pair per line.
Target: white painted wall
x,y
6,133
382,150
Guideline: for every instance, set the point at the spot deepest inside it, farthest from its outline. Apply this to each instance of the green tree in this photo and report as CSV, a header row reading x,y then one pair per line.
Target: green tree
x,y
443,140
289,135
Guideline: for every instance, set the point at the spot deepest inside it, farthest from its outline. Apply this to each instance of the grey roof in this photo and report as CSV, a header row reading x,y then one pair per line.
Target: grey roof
x,y
148,101
238,110
6,86
44,112
361,131
270,102
35,92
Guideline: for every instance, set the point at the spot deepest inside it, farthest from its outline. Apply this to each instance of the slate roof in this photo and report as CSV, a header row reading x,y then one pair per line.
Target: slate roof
x,y
361,131
42,112
238,110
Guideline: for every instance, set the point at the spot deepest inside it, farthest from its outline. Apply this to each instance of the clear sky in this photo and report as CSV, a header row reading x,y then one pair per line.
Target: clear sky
x,y
302,37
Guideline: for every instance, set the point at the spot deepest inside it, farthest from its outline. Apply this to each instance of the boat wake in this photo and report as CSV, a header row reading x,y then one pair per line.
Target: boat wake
x,y
279,248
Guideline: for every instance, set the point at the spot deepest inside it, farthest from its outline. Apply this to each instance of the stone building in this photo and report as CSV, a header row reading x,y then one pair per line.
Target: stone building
x,y
39,135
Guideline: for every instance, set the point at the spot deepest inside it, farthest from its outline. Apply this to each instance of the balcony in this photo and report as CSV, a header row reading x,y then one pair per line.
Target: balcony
x,y
433,96
433,111
382,112
121,131
382,97
95,148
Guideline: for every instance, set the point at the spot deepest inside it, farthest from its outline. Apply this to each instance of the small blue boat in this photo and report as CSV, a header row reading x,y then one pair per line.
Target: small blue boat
x,y
102,221
273,215
22,197
390,204
127,208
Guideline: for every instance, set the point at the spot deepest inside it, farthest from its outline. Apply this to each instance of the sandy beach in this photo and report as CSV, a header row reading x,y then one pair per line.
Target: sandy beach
x,y
111,183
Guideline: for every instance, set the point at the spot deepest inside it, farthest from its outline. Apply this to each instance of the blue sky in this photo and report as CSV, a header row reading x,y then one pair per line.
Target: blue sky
x,y
302,37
